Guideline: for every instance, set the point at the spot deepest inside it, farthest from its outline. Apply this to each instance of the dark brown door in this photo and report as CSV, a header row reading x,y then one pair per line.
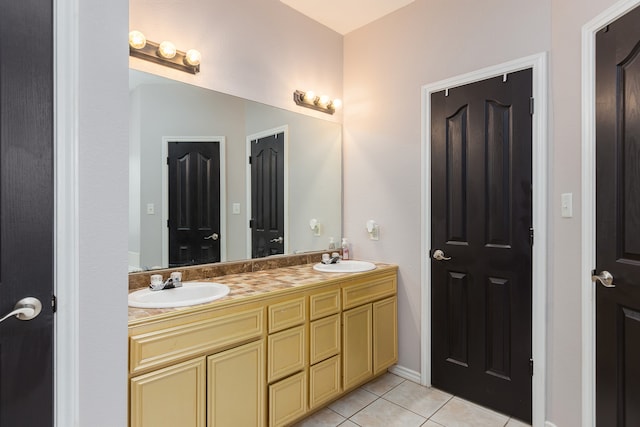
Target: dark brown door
x,y
618,222
481,220
194,203
26,211
267,196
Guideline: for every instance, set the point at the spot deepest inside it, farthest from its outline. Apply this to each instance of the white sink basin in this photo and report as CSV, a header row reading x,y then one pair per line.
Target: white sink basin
x,y
348,266
190,293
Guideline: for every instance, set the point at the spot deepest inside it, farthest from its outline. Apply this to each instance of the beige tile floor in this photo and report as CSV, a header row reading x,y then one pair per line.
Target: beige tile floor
x,y
392,401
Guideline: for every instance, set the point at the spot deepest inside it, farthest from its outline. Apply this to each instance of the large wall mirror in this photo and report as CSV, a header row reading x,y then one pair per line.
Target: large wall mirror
x,y
171,122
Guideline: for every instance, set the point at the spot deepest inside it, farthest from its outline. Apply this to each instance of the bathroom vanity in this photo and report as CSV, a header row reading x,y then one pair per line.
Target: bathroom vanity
x,y
283,343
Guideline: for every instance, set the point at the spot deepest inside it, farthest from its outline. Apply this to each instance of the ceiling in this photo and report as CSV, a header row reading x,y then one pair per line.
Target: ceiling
x,y
344,16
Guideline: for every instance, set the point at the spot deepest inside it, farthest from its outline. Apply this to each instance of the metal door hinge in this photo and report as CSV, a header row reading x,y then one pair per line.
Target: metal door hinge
x,y
531,105
249,159
250,223
54,303
531,367
167,160
531,236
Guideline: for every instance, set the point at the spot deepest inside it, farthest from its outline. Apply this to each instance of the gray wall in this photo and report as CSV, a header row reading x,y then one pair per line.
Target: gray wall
x,y
102,122
428,41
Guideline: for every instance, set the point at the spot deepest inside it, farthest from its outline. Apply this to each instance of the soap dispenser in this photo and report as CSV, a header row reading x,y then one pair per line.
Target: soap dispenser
x,y
332,243
345,249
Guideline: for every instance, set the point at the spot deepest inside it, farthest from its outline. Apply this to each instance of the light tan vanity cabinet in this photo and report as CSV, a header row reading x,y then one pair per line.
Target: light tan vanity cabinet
x,y
370,337
267,360
224,380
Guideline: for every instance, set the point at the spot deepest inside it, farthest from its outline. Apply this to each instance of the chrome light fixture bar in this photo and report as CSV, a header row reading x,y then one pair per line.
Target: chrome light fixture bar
x,y
320,103
164,53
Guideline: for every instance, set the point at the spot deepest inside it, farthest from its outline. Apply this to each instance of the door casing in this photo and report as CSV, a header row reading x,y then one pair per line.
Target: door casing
x,y
165,191
538,63
284,130
588,251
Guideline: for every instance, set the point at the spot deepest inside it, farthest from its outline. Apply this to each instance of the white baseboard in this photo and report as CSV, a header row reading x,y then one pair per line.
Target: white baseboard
x,y
549,424
405,373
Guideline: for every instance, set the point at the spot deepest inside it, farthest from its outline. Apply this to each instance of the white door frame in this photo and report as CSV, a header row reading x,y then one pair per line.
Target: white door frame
x,y
66,216
165,191
589,202
538,63
269,132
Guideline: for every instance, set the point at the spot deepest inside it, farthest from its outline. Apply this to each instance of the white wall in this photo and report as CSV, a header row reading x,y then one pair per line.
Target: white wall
x,y
259,50
102,113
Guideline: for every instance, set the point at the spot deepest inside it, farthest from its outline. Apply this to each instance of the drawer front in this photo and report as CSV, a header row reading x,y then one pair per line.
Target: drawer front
x,y
286,353
154,349
324,382
287,400
368,291
286,314
324,335
324,304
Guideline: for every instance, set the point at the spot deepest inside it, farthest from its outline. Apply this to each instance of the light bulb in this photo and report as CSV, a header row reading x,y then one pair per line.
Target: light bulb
x,y
337,103
192,57
323,101
137,40
167,50
309,96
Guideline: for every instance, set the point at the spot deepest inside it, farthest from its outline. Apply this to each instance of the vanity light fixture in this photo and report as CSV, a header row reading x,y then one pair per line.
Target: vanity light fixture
x,y
320,103
164,53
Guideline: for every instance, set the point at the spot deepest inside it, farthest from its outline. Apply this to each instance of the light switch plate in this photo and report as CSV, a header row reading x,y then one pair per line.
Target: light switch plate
x,y
566,201
151,209
236,208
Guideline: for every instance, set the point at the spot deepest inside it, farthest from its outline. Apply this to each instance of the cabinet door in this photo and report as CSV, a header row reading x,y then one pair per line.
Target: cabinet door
x,y
356,346
169,397
236,386
385,334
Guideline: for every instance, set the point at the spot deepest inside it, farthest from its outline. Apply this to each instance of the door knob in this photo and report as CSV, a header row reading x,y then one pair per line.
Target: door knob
x,y
214,236
25,309
278,240
605,278
439,255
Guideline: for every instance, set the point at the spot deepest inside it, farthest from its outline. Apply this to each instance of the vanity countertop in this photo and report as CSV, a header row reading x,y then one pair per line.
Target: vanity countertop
x,y
252,284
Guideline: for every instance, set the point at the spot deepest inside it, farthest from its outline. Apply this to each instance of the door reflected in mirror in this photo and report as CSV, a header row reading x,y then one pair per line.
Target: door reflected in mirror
x,y
164,112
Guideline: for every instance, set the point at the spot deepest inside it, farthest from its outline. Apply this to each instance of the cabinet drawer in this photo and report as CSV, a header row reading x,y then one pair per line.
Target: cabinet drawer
x,y
287,400
162,347
286,353
324,335
324,304
324,381
286,314
367,291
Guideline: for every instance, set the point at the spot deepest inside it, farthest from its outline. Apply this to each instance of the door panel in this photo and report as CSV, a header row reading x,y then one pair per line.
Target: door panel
x,y
194,203
481,218
267,196
618,221
26,211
